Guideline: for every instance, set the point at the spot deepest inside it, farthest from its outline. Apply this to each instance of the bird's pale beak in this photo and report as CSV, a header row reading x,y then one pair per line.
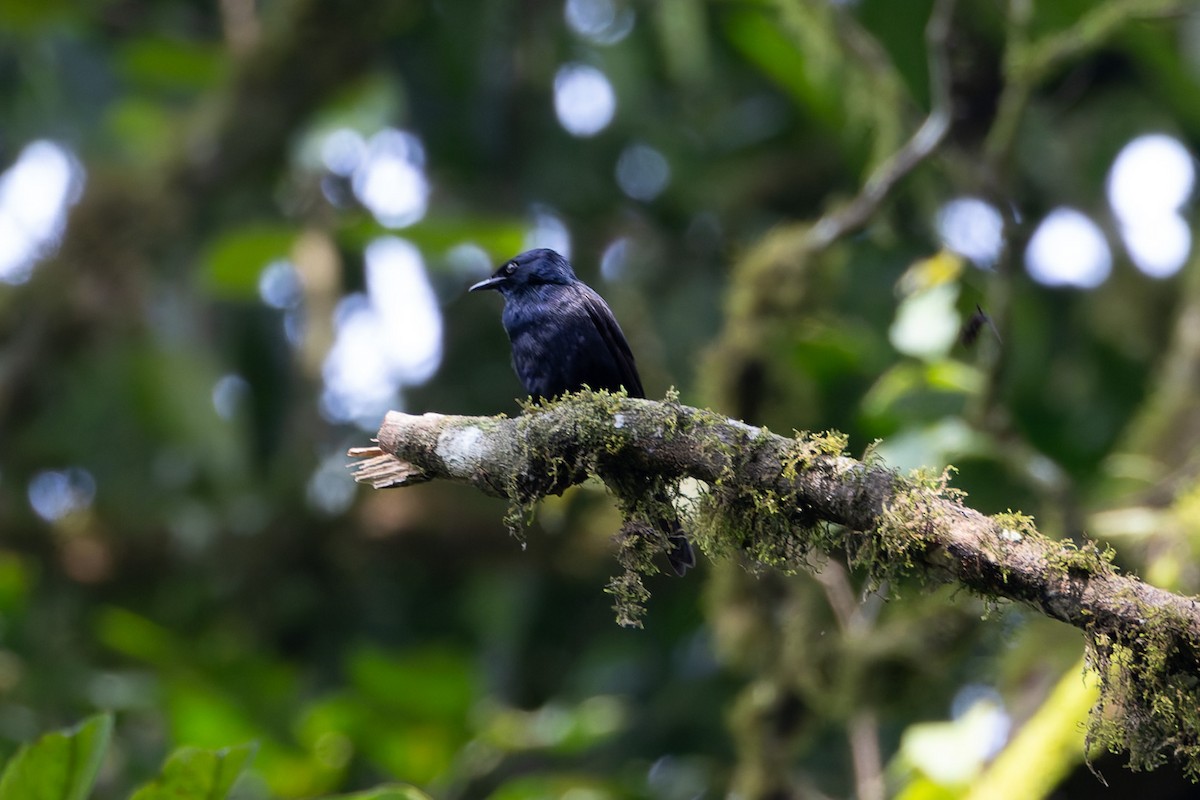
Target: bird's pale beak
x,y
488,283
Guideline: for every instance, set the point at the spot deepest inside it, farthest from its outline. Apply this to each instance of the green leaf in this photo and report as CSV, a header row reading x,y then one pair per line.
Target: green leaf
x,y
501,238
20,16
433,683
144,130
393,791
172,64
193,773
16,580
59,766
555,785
133,635
757,36
234,261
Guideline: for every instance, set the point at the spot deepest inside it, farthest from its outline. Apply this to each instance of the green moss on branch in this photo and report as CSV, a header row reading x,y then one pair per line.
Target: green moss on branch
x,y
785,502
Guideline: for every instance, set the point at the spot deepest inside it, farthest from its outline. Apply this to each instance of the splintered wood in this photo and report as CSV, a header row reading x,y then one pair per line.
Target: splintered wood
x,y
383,470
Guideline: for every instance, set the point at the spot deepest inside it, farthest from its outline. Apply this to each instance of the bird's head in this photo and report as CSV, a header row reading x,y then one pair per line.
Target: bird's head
x,y
531,268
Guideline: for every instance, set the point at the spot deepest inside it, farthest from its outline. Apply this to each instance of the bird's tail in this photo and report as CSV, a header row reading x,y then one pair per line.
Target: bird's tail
x,y
680,554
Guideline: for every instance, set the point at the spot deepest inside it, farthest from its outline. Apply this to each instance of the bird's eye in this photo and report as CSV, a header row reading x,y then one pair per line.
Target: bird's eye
x,y
510,268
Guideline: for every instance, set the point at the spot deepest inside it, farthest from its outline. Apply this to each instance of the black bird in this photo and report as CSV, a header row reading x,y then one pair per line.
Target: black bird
x,y
564,336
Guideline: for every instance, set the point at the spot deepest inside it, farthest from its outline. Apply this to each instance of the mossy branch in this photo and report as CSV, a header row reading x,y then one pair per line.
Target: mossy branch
x,y
768,495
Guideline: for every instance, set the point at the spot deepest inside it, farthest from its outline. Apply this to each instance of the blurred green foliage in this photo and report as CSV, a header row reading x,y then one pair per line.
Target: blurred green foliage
x,y
182,547
63,765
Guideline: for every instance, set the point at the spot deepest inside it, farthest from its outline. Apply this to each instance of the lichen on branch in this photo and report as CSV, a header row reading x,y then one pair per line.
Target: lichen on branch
x,y
781,500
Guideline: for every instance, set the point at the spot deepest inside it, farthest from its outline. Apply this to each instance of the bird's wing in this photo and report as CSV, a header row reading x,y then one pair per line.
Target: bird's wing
x,y
610,332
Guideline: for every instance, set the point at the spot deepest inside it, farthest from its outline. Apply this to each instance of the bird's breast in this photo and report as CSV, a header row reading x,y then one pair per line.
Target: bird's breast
x,y
552,338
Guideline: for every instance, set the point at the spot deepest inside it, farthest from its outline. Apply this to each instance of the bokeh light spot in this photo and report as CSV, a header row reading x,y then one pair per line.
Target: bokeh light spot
x,y
927,322
385,339
408,310
1151,179
228,395
35,193
1151,175
1068,249
615,259
973,229
295,326
391,181
642,172
279,285
330,490
343,151
599,21
469,260
549,231
1158,247
952,753
583,99
53,494
358,386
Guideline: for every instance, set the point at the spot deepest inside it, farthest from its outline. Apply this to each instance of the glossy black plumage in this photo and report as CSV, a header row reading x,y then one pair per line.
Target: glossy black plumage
x,y
563,334
564,337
